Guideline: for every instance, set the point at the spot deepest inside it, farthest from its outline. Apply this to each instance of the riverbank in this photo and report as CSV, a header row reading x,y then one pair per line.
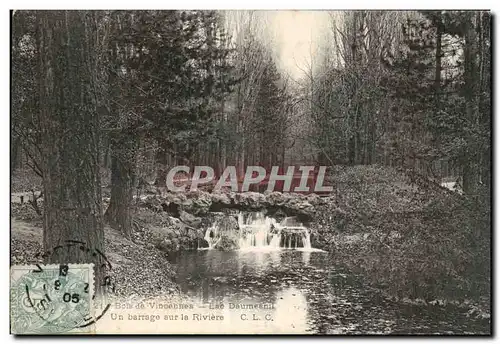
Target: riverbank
x,y
138,268
411,239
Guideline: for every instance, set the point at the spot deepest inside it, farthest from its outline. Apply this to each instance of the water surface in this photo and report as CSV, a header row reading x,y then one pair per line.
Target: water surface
x,y
302,291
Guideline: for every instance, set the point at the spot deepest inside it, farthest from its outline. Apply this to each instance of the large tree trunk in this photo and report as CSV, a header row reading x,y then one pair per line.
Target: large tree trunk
x,y
123,176
70,126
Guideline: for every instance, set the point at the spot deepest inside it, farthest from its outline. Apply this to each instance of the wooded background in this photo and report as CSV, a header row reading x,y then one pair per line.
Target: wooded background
x,y
137,92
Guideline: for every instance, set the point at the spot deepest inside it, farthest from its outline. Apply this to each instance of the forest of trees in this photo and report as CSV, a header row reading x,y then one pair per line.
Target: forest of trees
x,y
406,89
137,92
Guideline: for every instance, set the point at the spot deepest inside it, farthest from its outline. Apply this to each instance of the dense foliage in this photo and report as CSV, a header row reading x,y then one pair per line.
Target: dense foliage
x,y
125,95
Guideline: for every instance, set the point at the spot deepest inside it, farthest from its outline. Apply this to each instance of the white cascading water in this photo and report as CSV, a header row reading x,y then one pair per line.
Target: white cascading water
x,y
212,237
255,231
259,232
307,240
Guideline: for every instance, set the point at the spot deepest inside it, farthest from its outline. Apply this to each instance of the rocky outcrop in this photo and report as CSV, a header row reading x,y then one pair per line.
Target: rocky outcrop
x,y
176,238
189,219
186,216
225,232
168,233
227,244
226,223
200,203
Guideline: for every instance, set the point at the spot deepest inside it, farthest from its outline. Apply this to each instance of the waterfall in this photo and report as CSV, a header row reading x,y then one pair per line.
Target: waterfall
x,y
212,237
306,240
259,232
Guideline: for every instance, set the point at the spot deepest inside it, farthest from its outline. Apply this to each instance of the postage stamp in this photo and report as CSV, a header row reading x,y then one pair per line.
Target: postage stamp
x,y
51,299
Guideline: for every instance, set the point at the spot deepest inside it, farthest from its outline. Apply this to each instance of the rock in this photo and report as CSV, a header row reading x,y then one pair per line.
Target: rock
x,y
175,244
164,245
197,203
179,236
227,244
160,235
189,219
226,224
200,233
171,208
185,243
275,199
253,200
226,231
314,199
153,202
192,234
201,243
299,206
174,221
174,197
150,189
232,196
238,199
177,230
221,198
189,207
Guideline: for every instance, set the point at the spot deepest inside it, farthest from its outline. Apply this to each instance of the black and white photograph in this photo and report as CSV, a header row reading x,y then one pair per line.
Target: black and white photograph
x,y
278,172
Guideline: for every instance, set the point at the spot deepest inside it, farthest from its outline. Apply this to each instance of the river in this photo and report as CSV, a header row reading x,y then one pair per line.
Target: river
x,y
303,292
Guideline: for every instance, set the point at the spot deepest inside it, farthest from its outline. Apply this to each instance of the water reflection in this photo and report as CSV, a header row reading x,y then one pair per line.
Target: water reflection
x,y
308,294
249,277
306,257
257,262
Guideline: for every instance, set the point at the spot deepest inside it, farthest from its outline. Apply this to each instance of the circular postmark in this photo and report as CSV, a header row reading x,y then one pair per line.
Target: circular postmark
x,y
51,299
60,298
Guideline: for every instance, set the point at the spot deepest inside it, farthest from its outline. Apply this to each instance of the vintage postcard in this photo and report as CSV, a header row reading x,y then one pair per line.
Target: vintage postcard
x,y
250,172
